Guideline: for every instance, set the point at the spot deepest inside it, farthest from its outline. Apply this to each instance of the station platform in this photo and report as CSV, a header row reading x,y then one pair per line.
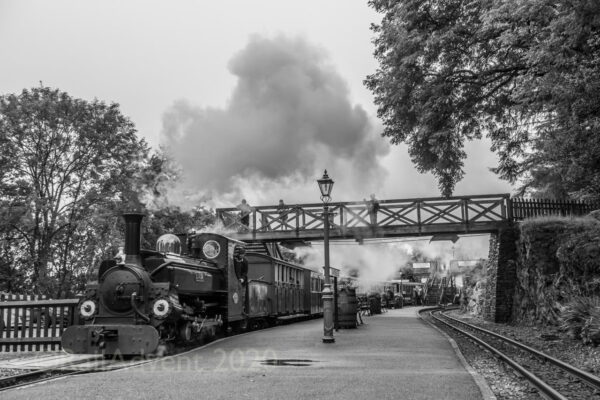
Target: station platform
x,y
394,355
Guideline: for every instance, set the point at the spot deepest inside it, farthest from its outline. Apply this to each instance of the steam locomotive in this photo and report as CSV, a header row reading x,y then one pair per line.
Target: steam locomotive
x,y
187,290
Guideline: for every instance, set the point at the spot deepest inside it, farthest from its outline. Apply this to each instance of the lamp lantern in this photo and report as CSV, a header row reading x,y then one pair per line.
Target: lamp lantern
x,y
325,186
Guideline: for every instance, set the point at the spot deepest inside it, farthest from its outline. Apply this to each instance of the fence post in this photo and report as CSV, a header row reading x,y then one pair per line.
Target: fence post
x,y
509,208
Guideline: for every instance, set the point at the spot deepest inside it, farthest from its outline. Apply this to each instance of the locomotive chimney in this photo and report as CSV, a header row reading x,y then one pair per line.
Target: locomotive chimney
x,y
133,223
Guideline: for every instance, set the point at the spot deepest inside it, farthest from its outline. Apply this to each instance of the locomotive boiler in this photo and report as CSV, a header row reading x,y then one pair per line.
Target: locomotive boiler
x,y
190,287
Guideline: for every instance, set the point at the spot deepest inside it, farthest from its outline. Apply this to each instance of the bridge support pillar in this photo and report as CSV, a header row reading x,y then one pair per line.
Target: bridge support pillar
x,y
501,275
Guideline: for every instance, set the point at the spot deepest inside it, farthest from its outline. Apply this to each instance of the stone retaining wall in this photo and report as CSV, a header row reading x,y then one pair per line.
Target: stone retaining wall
x,y
501,275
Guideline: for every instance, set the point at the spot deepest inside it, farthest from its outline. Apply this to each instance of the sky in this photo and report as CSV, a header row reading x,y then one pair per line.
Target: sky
x,y
252,99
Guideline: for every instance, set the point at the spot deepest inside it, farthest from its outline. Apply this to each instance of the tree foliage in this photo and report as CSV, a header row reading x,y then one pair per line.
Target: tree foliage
x,y
526,73
172,219
72,164
68,170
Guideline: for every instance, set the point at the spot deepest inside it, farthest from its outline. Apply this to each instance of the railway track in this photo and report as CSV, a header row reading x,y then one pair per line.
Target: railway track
x,y
553,378
63,370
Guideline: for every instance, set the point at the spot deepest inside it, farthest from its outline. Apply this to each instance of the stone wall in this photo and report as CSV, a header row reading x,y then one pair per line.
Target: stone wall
x,y
491,267
501,275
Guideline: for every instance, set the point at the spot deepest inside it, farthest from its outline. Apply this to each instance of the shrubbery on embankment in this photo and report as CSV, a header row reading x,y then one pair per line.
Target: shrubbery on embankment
x,y
558,274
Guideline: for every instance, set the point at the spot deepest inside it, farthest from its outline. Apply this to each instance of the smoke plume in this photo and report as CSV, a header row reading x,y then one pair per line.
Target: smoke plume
x,y
288,117
380,261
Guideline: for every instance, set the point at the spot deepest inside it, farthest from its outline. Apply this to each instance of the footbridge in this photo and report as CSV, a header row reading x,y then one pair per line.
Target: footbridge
x,y
493,214
393,218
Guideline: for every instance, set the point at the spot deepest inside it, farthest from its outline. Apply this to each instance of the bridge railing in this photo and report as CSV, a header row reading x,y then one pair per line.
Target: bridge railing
x,y
464,210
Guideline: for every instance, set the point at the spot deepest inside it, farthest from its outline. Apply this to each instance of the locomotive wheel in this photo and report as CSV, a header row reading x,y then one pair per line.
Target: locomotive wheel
x,y
185,331
243,326
212,333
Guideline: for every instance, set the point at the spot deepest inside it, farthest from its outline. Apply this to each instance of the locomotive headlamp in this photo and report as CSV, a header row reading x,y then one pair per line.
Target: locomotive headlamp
x,y
88,309
211,249
161,308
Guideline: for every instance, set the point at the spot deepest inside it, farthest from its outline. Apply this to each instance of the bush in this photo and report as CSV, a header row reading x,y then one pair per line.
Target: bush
x,y
590,333
559,260
581,319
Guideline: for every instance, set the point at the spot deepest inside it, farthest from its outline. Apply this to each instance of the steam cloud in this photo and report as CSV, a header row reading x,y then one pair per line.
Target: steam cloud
x,y
380,262
289,115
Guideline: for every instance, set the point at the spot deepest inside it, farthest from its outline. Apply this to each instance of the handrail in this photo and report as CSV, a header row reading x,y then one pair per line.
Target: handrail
x,y
38,303
136,309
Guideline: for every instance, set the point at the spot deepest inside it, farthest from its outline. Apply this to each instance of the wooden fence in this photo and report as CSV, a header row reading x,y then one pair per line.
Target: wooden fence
x,y
528,208
28,323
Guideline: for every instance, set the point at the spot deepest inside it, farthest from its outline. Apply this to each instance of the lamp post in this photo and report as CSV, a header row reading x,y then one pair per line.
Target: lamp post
x,y
325,186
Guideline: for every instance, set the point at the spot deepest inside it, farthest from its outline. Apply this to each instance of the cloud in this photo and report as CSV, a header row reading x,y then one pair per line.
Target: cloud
x,y
288,117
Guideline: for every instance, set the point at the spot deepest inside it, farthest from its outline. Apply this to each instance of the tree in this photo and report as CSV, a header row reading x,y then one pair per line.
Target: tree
x,y
72,165
525,73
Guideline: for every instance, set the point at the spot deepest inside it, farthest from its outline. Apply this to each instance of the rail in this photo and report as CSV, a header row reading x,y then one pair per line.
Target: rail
x,y
592,379
589,381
